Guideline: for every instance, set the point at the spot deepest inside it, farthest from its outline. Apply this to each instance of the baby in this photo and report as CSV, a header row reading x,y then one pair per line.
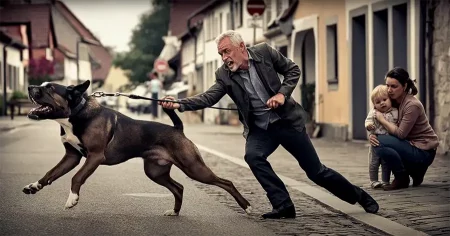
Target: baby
x,y
381,103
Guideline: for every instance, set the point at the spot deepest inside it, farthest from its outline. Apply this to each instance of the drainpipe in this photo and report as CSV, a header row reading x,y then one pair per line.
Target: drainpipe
x,y
4,79
422,56
194,35
232,13
431,7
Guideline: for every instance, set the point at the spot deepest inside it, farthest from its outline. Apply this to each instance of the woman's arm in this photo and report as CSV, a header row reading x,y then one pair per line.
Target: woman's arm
x,y
390,127
410,115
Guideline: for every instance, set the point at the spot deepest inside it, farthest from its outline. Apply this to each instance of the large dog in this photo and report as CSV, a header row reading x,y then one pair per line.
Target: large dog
x,y
107,137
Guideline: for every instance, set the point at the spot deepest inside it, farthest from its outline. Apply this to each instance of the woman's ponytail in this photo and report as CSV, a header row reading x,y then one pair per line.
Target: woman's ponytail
x,y
412,87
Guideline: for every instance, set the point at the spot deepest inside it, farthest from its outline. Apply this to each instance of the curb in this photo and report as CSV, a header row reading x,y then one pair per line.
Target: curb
x,y
6,129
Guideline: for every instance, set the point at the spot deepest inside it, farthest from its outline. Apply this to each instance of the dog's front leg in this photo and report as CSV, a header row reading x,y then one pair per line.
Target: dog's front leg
x,y
69,161
93,160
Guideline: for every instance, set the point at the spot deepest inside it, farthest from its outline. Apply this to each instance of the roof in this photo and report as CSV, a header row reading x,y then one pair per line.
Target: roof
x,y
180,11
100,53
42,23
285,15
37,14
7,39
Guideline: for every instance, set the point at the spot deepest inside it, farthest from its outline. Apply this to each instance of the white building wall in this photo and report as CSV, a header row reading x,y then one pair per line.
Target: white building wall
x,y
13,58
70,71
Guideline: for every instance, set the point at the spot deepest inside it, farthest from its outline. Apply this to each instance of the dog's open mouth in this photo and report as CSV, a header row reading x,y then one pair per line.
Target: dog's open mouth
x,y
37,112
42,109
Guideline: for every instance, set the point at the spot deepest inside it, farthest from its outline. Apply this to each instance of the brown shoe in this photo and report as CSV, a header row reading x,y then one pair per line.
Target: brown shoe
x,y
398,183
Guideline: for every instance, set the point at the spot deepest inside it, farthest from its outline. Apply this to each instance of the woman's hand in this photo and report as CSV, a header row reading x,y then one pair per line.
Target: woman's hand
x,y
374,140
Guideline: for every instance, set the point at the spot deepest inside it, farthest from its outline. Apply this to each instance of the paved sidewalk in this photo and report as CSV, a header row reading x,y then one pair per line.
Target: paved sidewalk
x,y
6,124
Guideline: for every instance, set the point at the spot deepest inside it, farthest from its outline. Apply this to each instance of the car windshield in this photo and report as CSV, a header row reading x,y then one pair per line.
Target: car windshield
x,y
140,90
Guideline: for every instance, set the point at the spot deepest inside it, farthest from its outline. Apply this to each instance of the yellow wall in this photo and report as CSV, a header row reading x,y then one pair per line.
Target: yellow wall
x,y
115,79
334,104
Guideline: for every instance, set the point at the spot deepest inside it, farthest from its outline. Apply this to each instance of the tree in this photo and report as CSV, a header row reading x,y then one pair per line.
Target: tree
x,y
146,43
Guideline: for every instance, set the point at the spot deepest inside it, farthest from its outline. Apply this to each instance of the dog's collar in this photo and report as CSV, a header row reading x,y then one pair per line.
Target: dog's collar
x,y
78,107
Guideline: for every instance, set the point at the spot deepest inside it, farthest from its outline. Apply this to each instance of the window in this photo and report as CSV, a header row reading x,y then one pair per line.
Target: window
x,y
238,14
211,26
1,75
283,50
267,14
12,77
220,23
332,54
279,7
228,21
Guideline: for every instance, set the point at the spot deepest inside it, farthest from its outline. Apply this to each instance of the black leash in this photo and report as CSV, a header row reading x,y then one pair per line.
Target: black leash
x,y
132,96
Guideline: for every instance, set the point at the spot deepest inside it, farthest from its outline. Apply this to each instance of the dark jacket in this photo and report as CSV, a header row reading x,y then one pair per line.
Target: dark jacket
x,y
268,62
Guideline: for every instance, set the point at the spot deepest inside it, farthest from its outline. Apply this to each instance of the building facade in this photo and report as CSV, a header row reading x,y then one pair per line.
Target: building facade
x,y
344,49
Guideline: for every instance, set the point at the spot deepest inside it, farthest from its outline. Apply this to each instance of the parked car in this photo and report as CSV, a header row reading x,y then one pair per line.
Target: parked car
x,y
178,90
109,101
140,105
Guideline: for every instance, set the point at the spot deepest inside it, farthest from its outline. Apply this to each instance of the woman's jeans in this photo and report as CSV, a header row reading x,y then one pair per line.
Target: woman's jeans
x,y
401,156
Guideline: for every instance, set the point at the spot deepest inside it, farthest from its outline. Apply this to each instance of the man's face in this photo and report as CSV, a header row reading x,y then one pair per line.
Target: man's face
x,y
233,56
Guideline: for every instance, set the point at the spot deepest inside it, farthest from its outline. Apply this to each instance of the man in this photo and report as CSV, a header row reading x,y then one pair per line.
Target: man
x,y
155,88
249,77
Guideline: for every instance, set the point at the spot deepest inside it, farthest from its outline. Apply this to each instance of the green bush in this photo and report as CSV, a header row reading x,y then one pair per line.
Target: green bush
x,y
18,95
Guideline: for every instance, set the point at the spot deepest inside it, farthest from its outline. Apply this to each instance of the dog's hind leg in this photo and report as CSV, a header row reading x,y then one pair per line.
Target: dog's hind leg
x,y
160,174
200,172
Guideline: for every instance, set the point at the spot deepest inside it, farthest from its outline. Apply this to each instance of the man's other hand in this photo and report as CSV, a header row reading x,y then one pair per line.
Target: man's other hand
x,y
168,104
276,101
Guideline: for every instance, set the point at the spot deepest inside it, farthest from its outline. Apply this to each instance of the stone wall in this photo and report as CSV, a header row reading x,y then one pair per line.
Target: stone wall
x,y
441,66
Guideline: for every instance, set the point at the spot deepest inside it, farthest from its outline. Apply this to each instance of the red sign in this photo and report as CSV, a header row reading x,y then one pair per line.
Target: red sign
x,y
160,65
256,7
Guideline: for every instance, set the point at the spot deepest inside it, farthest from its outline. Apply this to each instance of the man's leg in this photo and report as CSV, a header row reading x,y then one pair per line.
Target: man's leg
x,y
299,145
155,105
259,146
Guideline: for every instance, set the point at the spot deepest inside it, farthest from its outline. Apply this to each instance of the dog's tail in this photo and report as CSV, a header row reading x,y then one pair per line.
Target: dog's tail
x,y
177,123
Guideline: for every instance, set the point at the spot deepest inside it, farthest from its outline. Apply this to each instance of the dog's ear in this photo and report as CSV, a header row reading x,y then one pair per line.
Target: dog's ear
x,y
81,88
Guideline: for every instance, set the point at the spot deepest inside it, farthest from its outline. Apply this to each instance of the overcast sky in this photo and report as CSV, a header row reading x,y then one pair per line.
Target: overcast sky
x,y
110,20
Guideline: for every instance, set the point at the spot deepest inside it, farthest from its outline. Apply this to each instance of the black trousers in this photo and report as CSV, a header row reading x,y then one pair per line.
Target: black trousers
x,y
261,143
155,105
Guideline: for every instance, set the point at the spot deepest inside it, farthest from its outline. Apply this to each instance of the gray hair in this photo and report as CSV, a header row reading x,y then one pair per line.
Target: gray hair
x,y
234,36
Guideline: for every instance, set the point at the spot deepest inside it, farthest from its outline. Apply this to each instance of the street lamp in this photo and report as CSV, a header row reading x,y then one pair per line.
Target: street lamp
x,y
85,41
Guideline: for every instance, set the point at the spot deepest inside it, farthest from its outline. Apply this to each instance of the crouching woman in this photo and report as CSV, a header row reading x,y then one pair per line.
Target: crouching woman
x,y
411,146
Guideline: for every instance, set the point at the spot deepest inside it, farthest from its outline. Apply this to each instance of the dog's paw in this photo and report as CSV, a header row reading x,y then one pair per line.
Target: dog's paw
x,y
171,213
71,201
32,188
248,210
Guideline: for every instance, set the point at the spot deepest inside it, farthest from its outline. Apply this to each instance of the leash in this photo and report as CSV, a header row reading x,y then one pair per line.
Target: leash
x,y
133,96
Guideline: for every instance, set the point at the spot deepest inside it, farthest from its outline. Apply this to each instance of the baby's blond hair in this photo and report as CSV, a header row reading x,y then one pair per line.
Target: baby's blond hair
x,y
380,90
